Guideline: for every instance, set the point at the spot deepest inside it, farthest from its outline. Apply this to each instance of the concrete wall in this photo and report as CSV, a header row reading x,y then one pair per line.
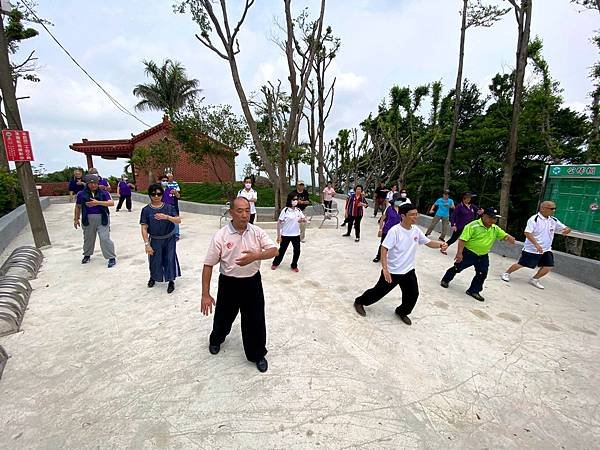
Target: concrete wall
x,y
12,223
577,268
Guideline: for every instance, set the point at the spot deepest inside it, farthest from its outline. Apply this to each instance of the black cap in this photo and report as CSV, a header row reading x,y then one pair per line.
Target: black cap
x,y
491,212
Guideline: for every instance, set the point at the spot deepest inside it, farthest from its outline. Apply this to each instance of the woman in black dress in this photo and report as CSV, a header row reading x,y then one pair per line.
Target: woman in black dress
x,y
158,231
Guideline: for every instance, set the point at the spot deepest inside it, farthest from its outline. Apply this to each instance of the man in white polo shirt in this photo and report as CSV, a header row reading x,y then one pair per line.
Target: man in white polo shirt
x,y
238,247
398,252
537,251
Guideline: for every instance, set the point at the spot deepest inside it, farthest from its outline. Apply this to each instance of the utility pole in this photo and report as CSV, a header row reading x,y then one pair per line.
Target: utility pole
x,y
24,172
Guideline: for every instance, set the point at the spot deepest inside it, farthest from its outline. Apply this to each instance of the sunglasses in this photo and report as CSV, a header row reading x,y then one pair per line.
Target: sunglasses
x,y
156,194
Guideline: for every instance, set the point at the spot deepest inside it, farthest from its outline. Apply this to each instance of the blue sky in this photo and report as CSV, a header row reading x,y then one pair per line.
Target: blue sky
x,y
384,42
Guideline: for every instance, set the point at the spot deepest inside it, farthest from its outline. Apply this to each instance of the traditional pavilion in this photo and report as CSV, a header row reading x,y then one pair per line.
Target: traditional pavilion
x,y
214,168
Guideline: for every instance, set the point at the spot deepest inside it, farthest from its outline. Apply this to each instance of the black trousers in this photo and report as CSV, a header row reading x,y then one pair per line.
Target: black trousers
x,y
127,199
328,204
481,265
243,295
354,220
408,285
455,236
252,217
383,235
285,242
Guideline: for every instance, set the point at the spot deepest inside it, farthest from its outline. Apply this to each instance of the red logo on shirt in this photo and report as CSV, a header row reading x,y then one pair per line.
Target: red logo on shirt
x,y
416,238
229,245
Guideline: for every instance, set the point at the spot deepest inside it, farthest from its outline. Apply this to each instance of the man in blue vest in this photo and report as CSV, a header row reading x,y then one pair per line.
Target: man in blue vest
x,y
92,208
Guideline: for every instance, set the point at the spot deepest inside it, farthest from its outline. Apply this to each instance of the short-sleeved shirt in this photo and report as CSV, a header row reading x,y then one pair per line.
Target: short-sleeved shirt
x,y
392,217
444,206
74,187
328,194
251,194
479,238
168,196
543,230
124,189
227,246
103,182
402,248
98,195
289,220
304,196
158,227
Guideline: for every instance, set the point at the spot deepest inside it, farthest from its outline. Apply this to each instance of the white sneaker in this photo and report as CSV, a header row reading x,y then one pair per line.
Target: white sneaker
x,y
535,282
505,277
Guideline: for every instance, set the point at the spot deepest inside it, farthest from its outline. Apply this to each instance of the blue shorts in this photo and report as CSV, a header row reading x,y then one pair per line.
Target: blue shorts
x,y
532,260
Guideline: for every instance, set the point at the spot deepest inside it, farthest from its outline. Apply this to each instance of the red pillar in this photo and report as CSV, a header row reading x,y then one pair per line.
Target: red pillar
x,y
90,163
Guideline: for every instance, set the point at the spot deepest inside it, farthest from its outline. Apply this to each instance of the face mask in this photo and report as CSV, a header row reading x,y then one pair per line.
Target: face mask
x,y
164,183
248,185
294,203
403,195
398,203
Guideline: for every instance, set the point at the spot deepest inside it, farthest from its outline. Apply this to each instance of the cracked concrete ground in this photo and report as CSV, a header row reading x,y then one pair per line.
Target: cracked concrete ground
x,y
104,362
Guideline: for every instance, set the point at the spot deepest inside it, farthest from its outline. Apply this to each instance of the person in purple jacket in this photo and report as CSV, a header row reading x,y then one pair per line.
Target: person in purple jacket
x,y
76,184
390,217
124,193
464,213
92,208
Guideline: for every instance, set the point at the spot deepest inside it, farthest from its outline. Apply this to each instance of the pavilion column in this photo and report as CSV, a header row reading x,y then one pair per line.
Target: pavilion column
x,y
90,163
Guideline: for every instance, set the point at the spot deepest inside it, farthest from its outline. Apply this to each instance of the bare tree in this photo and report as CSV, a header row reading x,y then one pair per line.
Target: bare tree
x,y
473,15
523,18
299,62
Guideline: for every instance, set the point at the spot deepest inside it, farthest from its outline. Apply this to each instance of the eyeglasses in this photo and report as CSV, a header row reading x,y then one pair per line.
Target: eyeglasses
x,y
156,194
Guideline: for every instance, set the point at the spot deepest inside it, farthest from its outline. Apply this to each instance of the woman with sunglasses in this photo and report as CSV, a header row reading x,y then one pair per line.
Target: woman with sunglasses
x,y
158,221
288,230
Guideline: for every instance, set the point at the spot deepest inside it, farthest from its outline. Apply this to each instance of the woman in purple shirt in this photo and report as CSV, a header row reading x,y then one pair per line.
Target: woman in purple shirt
x,y
464,213
390,217
124,193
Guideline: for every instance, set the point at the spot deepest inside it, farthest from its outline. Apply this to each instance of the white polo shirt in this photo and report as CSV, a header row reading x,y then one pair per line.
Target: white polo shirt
x,y
543,230
289,221
402,248
251,194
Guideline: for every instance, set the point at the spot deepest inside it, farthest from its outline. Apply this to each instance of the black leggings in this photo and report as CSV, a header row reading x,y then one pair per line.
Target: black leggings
x,y
285,241
328,204
127,199
354,220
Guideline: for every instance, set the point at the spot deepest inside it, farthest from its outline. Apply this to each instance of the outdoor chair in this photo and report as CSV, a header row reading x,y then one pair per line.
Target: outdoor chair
x,y
318,209
224,214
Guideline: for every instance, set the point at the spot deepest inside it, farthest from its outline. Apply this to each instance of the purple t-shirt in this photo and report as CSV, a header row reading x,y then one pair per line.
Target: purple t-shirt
x,y
124,189
392,217
167,197
98,195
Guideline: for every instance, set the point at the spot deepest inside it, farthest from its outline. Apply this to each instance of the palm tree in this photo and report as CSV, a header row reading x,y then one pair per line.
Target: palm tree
x,y
170,89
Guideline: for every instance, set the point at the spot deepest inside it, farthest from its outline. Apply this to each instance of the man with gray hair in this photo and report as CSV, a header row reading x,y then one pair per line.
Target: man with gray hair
x,y
537,251
92,208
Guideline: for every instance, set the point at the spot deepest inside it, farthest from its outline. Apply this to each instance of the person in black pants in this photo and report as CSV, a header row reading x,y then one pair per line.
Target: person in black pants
x,y
288,230
398,252
354,207
239,247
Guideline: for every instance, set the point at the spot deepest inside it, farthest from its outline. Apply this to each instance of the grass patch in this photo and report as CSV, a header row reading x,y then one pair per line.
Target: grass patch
x,y
214,194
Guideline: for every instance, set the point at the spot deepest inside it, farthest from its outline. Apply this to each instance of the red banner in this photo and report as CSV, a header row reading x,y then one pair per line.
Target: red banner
x,y
17,145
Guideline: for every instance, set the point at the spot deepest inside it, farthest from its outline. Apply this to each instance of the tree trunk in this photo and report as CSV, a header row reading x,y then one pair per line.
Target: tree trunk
x,y
524,25
457,95
595,133
3,160
24,172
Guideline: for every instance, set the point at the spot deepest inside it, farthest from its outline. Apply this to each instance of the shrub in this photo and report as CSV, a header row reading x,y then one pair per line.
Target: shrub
x,y
10,192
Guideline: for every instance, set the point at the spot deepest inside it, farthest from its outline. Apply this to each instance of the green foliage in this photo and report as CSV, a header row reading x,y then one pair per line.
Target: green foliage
x,y
170,89
10,192
15,31
213,193
40,175
159,155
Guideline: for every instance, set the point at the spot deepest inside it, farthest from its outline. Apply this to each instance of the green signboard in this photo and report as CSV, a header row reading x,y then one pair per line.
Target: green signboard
x,y
575,171
576,191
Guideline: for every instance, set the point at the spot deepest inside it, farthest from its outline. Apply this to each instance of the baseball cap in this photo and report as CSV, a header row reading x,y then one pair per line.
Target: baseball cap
x,y
300,182
91,178
491,212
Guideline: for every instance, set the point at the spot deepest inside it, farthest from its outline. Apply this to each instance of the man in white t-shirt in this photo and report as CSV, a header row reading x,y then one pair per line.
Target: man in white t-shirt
x,y
249,194
398,252
537,251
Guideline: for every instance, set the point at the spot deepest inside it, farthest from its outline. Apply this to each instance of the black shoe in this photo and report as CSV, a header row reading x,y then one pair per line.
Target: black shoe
x,y
262,365
171,287
360,309
404,319
357,240
444,284
111,262
151,282
376,260
476,296
346,234
85,260
214,349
